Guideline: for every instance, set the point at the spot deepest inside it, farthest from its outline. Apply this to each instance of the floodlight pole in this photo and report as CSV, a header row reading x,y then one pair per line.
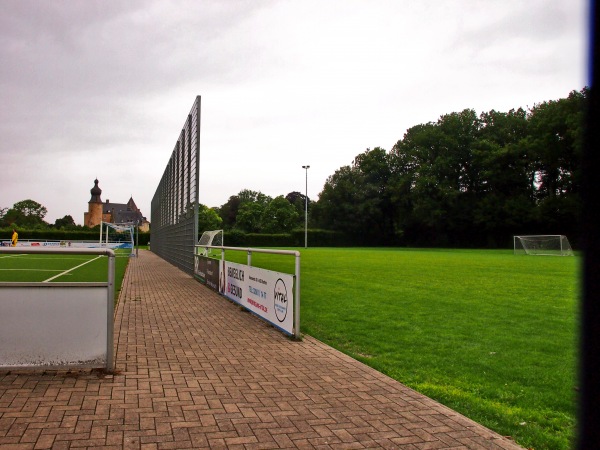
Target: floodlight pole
x,y
306,208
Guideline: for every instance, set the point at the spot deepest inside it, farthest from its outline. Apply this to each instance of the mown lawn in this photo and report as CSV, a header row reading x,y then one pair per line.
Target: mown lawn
x,y
489,334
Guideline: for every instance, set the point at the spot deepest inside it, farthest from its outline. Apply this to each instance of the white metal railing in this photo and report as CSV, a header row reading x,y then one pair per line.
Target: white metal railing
x,y
57,325
249,252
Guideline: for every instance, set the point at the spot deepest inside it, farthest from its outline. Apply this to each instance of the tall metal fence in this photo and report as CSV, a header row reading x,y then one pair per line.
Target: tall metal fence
x,y
174,215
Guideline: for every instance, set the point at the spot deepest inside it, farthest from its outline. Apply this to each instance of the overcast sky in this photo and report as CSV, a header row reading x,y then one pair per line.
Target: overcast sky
x,y
101,89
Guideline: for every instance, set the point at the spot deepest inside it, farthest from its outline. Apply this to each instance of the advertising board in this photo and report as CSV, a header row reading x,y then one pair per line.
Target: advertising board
x,y
266,293
206,270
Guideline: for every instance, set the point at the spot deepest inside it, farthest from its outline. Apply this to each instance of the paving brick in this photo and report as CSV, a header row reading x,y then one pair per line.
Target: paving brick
x,y
44,442
194,371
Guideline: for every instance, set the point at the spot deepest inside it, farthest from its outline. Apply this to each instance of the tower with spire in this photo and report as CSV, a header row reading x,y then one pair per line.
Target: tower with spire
x,y
93,216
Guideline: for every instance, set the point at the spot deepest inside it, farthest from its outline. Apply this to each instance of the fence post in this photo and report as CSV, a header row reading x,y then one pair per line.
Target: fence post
x,y
297,307
110,364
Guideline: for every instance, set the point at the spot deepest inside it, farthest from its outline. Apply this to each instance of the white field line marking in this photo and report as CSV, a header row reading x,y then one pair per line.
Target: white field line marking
x,y
71,269
11,256
32,270
60,258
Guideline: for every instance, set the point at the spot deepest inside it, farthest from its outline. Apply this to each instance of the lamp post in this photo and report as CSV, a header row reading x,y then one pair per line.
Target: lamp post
x,y
306,208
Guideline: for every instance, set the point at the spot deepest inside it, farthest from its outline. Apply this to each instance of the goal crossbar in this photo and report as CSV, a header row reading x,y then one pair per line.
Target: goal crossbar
x,y
542,245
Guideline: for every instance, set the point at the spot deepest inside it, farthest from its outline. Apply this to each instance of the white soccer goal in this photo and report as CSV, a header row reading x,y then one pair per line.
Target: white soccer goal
x,y
547,245
117,236
212,237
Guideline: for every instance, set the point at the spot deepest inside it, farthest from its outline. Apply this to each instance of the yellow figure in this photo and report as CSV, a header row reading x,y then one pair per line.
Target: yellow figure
x,y
15,238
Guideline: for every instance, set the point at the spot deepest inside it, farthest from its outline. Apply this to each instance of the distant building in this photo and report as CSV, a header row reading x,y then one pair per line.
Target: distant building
x,y
122,213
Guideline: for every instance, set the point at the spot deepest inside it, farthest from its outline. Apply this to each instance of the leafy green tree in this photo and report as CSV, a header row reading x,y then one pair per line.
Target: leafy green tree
x,y
503,128
356,200
556,141
229,211
279,216
373,200
333,211
505,201
249,217
301,203
434,168
26,213
248,196
457,179
208,219
405,163
555,146
30,208
66,222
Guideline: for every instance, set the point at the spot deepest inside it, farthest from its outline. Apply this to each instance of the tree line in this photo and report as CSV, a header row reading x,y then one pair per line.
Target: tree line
x,y
29,214
466,180
254,212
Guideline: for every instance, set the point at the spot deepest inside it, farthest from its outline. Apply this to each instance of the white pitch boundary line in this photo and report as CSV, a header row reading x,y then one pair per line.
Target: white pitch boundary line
x,y
71,269
50,259
31,270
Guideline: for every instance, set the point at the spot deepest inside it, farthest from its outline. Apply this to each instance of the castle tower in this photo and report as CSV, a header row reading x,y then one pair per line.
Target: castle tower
x,y
93,216
131,206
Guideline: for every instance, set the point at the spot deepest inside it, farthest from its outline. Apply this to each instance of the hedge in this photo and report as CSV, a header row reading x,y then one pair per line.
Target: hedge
x,y
316,238
234,238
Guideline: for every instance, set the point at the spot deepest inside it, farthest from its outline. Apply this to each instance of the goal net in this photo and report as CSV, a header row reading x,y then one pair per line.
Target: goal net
x,y
548,245
117,236
213,237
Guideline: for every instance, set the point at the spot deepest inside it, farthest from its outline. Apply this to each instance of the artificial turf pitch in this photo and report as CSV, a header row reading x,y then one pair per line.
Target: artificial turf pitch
x,y
68,268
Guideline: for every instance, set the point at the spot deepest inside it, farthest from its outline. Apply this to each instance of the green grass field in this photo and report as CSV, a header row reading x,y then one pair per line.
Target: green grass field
x,y
489,334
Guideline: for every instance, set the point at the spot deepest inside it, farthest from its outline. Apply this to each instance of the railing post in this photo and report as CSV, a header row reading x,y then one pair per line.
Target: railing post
x,y
297,296
110,364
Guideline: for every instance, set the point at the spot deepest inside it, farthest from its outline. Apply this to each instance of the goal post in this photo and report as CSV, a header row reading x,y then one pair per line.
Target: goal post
x,y
542,245
208,238
117,236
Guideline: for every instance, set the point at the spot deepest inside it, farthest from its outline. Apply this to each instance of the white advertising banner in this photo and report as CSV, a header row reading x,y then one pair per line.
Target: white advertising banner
x,y
266,293
66,244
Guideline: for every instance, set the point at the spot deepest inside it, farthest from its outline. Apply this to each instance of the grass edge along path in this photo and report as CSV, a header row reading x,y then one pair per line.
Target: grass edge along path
x,y
487,333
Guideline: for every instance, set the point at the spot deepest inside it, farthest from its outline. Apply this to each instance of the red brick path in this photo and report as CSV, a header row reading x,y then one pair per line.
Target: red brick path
x,y
195,371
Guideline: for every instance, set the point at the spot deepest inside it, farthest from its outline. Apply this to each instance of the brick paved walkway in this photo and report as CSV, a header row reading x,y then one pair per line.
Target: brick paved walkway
x,y
195,371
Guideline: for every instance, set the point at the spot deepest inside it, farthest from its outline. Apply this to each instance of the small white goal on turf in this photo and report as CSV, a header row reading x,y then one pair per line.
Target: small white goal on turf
x,y
208,238
543,245
117,236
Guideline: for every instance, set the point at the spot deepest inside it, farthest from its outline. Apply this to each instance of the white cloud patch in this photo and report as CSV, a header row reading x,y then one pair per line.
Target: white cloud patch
x,y
101,89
